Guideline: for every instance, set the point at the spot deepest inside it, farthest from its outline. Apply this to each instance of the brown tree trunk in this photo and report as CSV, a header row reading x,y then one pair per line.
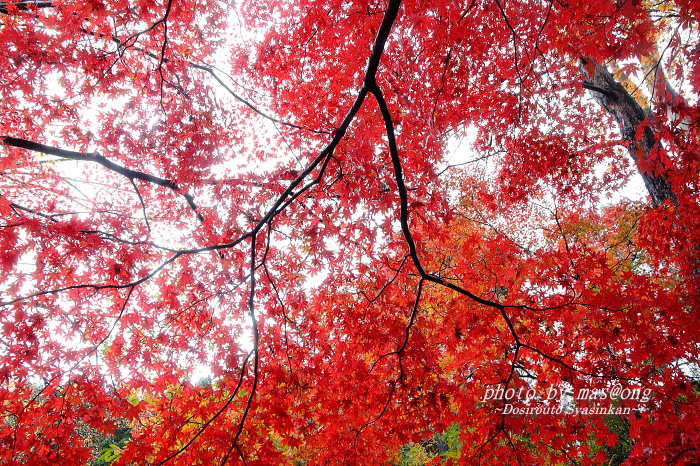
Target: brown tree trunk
x,y
643,146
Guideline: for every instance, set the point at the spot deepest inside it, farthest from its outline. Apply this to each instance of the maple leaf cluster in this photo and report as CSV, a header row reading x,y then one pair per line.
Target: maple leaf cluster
x,y
236,233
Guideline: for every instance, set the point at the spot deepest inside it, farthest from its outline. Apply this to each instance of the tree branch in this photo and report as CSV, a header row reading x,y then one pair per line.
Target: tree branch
x,y
390,16
245,102
101,160
256,355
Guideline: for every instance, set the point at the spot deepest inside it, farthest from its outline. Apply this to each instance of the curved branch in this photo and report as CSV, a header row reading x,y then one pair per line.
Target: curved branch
x,y
256,353
143,205
403,199
131,175
210,70
133,284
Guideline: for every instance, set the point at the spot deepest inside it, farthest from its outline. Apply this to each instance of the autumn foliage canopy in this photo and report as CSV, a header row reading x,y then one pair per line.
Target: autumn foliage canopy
x,y
318,232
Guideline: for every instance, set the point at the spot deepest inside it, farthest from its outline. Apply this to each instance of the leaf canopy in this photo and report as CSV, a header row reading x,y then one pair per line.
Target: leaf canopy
x,y
238,233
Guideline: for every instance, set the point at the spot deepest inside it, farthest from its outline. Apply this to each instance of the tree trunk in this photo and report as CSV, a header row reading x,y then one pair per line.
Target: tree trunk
x,y
643,145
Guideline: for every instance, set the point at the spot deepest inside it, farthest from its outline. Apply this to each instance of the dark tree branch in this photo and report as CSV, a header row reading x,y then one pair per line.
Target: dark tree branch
x,y
99,159
16,207
374,88
403,200
132,284
390,16
386,285
438,94
256,356
601,90
247,103
143,205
